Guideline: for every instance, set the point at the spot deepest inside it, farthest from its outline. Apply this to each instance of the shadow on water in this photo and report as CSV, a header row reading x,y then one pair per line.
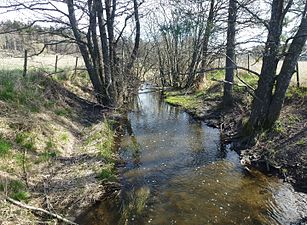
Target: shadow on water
x,y
177,172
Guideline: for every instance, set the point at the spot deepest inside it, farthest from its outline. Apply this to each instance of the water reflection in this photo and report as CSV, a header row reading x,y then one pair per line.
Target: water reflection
x,y
176,172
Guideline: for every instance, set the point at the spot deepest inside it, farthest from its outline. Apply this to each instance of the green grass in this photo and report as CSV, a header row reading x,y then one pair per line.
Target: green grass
x,y
106,146
46,156
279,127
250,79
301,142
7,92
218,75
102,137
50,145
141,197
16,190
64,137
26,140
21,196
107,173
63,112
60,77
294,92
5,147
188,102
20,91
135,204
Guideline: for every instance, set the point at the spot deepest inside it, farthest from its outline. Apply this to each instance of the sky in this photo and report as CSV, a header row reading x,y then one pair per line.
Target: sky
x,y
152,7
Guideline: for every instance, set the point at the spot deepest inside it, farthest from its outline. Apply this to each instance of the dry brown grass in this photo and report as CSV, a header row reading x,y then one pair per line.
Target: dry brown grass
x,y
49,155
44,61
256,66
302,71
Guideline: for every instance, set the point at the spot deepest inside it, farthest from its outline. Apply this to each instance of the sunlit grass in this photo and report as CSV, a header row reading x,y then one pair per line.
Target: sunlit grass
x,y
294,92
21,92
107,173
188,102
16,190
5,147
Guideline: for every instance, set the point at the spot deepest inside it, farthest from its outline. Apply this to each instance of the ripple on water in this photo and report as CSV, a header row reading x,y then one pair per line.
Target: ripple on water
x,y
177,173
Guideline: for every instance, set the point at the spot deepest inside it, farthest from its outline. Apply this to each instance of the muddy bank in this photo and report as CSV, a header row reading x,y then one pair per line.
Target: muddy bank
x,y
280,151
56,149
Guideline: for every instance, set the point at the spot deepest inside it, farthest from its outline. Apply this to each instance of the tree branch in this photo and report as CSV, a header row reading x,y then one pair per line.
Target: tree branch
x,y
31,208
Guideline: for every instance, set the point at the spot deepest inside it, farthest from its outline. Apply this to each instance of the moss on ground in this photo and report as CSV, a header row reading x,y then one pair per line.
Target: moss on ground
x,y
212,90
186,101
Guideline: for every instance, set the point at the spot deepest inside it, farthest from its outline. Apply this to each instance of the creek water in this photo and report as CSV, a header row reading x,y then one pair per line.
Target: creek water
x,y
177,172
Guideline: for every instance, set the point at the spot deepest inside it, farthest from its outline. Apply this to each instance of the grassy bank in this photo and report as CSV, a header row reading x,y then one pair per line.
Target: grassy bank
x,y
282,149
56,150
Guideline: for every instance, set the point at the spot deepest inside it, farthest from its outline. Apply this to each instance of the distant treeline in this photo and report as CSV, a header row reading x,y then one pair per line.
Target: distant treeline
x,y
16,36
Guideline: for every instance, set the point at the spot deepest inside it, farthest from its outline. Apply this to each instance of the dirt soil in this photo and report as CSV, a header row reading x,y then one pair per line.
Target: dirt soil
x,y
281,151
57,166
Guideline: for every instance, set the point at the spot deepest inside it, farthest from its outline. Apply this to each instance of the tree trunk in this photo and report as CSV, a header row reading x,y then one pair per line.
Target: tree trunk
x,y
131,78
288,67
230,53
96,82
105,52
261,103
110,8
208,32
194,61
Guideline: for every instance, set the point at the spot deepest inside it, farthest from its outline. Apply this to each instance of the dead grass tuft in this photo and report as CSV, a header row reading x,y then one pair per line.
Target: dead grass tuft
x,y
54,143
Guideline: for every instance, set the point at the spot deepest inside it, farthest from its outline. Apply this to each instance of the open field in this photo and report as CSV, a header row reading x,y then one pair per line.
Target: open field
x,y
41,61
302,65
47,62
256,66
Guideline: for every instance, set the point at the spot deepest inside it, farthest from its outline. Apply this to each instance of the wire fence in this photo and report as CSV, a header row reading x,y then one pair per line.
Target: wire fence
x,y
252,63
49,63
58,63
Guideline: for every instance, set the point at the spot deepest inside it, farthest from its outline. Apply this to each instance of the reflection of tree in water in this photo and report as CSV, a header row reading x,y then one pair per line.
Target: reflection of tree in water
x,y
135,147
204,150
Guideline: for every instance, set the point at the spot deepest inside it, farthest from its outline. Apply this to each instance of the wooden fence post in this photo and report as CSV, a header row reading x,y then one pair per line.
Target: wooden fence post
x,y
76,65
56,63
25,65
248,64
297,76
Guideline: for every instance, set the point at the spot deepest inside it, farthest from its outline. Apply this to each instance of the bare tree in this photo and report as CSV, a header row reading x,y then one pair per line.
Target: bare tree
x,y
271,89
94,26
230,53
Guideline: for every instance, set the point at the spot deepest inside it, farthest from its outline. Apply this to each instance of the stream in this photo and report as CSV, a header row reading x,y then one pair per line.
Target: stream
x,y
177,172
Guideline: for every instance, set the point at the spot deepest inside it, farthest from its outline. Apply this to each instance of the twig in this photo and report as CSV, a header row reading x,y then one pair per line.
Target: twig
x,y
223,68
48,205
232,83
245,83
22,205
24,167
